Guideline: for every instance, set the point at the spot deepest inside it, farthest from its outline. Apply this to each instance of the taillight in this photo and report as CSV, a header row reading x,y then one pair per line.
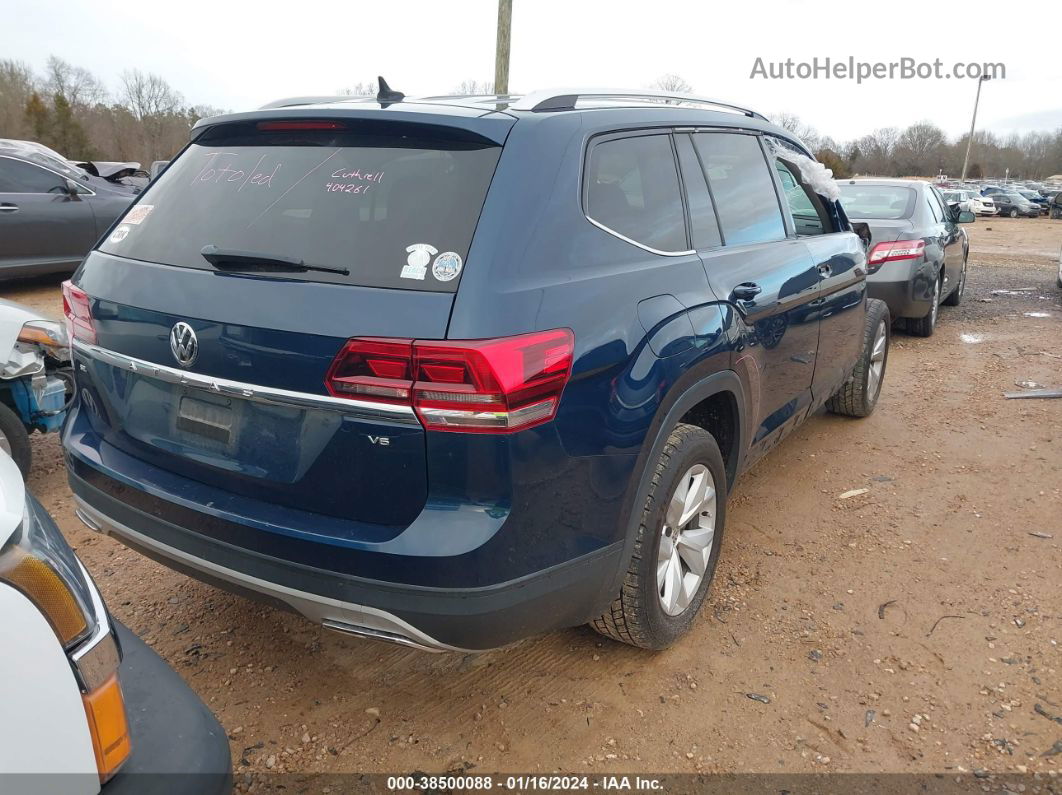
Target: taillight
x,y
78,314
896,250
476,386
373,369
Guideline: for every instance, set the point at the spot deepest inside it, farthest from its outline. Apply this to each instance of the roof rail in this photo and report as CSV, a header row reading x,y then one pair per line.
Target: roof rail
x,y
565,99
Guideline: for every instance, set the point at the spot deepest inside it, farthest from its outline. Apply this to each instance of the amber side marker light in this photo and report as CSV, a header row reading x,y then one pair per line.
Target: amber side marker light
x,y
47,590
105,709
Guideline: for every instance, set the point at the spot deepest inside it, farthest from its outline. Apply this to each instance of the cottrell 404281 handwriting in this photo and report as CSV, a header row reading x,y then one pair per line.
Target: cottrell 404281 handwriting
x,y
347,187
356,174
220,169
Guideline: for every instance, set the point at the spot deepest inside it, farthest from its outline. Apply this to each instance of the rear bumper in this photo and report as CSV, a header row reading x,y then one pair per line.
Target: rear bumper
x,y
178,745
907,293
429,618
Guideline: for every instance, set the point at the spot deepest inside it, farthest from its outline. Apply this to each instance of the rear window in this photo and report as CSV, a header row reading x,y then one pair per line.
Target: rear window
x,y
392,204
881,202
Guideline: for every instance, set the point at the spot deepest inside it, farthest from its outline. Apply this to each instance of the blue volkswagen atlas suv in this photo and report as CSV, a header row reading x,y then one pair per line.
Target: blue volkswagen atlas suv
x,y
451,372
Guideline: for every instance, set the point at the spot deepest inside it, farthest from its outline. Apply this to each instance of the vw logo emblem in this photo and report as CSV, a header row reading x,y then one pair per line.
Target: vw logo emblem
x,y
183,344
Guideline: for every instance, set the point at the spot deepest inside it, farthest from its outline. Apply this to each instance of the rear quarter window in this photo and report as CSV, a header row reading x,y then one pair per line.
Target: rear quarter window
x,y
393,204
632,189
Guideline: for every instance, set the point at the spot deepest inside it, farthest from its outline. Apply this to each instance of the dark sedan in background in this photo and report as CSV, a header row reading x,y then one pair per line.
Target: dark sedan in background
x,y
918,251
1014,205
51,212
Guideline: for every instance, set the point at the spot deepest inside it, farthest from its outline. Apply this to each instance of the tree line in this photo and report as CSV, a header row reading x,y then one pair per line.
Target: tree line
x,y
924,150
72,111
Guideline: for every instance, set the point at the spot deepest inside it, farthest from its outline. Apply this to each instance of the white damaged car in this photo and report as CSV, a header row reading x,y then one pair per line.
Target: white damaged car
x,y
87,706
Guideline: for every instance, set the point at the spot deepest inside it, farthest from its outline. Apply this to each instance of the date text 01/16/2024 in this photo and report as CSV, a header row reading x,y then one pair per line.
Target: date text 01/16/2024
x,y
518,783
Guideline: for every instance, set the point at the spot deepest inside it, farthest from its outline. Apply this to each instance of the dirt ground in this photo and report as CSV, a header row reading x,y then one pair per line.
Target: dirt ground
x,y
913,628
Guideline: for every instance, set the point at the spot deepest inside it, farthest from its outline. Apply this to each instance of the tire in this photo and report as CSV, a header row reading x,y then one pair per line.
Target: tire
x,y
638,616
859,394
14,439
924,326
955,298
1013,212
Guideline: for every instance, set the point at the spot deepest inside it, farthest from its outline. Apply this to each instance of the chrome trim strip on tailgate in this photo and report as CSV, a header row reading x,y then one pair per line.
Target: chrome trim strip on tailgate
x,y
261,394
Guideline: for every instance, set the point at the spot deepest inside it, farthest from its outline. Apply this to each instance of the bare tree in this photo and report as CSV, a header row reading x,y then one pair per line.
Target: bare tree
x,y
156,106
805,132
75,84
17,84
148,95
673,83
475,88
359,89
876,151
920,149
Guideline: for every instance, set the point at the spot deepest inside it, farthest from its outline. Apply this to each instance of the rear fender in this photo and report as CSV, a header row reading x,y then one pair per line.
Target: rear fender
x,y
682,397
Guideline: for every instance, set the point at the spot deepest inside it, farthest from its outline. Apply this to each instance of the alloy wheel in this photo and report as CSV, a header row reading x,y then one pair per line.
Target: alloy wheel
x,y
686,539
877,361
5,443
936,303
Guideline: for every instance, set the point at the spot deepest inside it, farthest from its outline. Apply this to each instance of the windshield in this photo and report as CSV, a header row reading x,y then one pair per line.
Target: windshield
x,y
384,205
877,202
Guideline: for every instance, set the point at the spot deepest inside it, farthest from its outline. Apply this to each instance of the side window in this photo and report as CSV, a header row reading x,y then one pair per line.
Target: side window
x,y
703,223
741,186
945,211
934,206
633,190
809,213
19,177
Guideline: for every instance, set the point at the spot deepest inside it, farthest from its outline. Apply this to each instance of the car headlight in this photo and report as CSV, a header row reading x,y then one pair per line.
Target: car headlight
x,y
49,335
37,561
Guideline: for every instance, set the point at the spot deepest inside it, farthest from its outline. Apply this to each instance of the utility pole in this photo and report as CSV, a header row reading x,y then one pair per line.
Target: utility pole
x,y
973,123
501,54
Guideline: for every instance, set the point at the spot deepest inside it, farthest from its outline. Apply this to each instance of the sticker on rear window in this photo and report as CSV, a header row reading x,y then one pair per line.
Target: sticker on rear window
x,y
446,266
138,214
416,266
119,234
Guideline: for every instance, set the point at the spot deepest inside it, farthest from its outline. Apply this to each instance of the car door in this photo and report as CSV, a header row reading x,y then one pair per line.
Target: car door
x,y
840,261
951,240
936,235
43,226
769,278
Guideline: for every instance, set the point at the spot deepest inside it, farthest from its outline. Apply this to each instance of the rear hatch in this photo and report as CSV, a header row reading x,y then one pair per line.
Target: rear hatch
x,y
221,298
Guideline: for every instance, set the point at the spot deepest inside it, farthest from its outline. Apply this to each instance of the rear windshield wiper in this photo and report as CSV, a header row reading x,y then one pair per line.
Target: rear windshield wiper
x,y
231,259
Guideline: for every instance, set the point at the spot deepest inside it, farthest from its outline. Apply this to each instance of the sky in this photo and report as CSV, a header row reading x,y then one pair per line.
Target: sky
x,y
238,55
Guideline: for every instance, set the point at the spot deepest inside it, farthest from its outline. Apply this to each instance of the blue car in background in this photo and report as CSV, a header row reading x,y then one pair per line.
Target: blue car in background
x,y
451,372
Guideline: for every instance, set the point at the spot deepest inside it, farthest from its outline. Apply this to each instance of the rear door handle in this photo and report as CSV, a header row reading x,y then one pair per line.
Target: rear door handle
x,y
746,291
8,208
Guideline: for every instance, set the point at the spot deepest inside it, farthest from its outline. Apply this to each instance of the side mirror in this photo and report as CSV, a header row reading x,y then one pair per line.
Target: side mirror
x,y
966,217
862,229
72,188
